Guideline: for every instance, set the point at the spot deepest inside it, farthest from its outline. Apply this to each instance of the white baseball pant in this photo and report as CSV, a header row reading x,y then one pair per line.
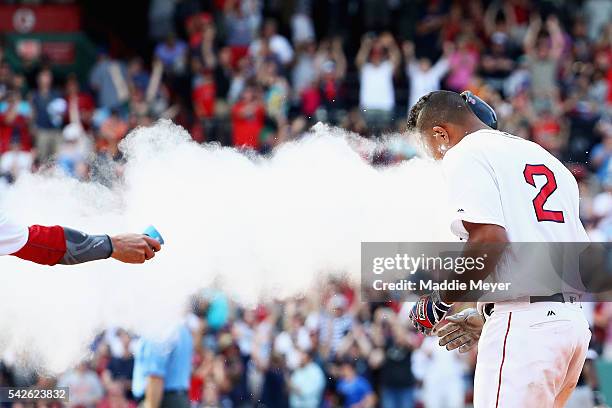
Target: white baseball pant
x,y
530,355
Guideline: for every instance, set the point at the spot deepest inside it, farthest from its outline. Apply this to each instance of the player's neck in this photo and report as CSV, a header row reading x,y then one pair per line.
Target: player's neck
x,y
473,126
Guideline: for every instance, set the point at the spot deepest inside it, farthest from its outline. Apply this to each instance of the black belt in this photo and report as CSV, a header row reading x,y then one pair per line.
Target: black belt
x,y
557,297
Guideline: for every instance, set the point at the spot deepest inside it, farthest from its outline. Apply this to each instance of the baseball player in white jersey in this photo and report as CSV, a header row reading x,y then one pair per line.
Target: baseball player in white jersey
x,y
60,245
505,189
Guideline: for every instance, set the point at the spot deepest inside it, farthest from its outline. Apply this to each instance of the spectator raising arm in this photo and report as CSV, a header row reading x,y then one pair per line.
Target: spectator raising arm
x,y
338,55
408,51
424,77
556,37
207,49
156,76
440,68
395,57
531,36
364,51
554,30
495,9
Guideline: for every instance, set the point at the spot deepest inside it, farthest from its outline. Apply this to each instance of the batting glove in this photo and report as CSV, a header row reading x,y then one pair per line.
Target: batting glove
x,y
428,311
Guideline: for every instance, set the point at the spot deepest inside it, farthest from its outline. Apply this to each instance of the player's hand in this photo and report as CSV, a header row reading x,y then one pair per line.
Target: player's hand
x,y
428,311
462,330
134,248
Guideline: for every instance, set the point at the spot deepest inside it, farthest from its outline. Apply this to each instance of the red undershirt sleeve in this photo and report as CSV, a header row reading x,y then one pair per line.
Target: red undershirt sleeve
x,y
45,246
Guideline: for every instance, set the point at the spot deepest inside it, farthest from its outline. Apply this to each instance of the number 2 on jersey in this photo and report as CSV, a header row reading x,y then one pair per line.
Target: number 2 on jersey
x,y
545,192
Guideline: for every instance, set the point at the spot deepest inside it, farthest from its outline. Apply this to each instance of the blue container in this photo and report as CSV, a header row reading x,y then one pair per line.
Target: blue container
x,y
152,232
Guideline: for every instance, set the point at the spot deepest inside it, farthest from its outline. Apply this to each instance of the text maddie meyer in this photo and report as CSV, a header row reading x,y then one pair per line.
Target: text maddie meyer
x,y
447,285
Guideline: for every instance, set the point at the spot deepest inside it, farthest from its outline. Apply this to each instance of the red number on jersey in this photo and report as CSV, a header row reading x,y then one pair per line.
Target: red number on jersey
x,y
545,192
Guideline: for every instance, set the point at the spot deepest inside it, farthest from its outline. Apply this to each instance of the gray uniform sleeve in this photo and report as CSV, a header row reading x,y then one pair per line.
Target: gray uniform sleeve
x,y
81,247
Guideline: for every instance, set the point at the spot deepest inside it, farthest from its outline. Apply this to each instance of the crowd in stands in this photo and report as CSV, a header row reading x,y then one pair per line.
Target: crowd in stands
x,y
323,349
254,74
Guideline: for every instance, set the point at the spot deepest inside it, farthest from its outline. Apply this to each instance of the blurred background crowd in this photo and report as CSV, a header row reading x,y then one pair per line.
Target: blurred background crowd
x,y
323,349
76,77
254,73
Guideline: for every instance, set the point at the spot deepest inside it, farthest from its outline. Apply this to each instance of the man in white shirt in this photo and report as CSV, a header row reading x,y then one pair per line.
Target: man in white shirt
x,y
15,162
377,61
278,44
422,75
506,189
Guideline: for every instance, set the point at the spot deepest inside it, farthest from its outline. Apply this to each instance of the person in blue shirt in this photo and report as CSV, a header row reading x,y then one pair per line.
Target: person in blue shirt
x,y
602,153
355,390
307,383
162,370
173,53
48,110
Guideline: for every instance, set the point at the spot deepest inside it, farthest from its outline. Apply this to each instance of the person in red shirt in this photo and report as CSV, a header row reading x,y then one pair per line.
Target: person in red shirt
x,y
248,116
80,105
14,127
311,99
204,95
609,78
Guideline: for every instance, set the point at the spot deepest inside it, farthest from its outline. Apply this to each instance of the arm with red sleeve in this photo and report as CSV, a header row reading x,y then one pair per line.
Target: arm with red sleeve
x,y
52,245
61,245
44,245
66,246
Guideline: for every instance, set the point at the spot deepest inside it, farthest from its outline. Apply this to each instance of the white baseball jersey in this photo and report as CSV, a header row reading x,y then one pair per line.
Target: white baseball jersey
x,y
12,236
497,178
